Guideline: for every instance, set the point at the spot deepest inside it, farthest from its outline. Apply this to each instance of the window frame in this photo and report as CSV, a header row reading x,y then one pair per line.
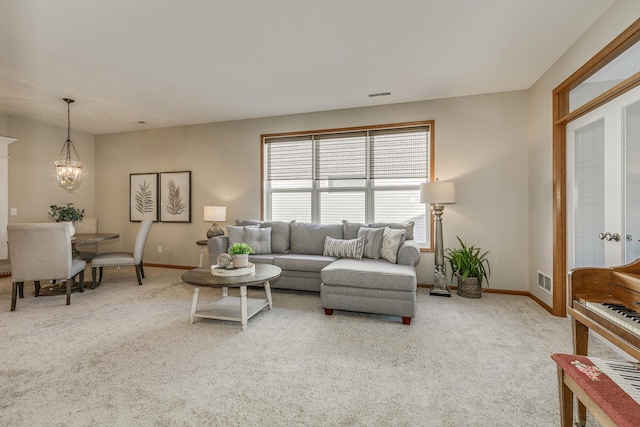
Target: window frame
x,y
368,188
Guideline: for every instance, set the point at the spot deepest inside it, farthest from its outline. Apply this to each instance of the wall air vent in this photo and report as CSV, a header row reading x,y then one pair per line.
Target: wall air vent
x,y
371,95
544,282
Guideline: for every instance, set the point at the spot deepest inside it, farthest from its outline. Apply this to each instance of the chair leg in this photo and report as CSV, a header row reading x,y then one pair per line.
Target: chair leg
x,y
139,274
14,295
68,291
93,277
100,279
21,289
81,275
141,269
37,285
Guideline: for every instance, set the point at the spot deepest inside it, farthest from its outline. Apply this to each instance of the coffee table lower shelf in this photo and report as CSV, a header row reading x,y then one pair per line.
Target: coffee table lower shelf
x,y
228,308
235,309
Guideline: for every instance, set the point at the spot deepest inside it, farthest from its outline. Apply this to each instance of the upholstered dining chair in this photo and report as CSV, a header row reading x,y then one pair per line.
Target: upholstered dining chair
x,y
87,250
41,252
5,267
118,259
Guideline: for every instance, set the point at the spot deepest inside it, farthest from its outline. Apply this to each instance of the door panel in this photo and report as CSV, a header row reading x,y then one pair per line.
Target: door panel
x,y
603,188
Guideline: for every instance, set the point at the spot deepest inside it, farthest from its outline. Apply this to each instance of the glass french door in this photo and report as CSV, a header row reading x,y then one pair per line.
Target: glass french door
x,y
603,188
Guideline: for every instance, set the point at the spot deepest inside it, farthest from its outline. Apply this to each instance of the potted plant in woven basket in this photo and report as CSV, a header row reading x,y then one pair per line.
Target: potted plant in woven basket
x,y
471,268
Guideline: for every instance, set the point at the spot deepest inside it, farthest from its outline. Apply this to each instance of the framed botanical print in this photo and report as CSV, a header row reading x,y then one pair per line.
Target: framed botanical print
x,y
143,196
175,196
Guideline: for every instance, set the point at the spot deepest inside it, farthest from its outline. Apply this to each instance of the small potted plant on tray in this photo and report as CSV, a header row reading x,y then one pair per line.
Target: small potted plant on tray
x,y
240,254
471,268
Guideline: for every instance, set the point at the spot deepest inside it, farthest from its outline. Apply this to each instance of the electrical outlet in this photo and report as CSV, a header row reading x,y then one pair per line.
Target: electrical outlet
x,y
159,249
14,211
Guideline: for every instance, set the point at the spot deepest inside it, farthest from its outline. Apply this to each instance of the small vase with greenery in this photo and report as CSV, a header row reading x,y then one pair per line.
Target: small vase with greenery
x,y
240,254
66,213
471,268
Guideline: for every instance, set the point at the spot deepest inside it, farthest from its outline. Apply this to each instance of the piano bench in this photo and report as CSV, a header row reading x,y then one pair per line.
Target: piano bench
x,y
607,402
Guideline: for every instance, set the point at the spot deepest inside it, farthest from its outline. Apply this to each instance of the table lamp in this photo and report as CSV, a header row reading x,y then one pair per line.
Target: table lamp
x,y
214,214
438,193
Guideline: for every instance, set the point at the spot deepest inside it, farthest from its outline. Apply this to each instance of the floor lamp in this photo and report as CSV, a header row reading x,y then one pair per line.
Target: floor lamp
x,y
438,194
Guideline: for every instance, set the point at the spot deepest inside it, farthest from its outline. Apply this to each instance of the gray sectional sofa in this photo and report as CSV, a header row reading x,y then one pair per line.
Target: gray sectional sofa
x,y
355,267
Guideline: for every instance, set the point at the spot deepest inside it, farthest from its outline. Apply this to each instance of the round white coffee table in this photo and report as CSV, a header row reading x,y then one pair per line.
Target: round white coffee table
x,y
236,309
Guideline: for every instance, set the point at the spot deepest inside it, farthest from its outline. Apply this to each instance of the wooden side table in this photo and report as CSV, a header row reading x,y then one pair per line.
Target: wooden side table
x,y
202,244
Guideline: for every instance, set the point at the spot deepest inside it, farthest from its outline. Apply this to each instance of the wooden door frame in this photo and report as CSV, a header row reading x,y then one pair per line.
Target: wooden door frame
x,y
561,116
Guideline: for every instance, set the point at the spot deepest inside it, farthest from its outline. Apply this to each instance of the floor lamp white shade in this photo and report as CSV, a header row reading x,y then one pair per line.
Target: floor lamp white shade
x,y
215,214
438,194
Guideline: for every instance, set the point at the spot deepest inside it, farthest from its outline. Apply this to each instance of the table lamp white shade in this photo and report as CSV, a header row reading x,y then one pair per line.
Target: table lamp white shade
x,y
215,213
438,192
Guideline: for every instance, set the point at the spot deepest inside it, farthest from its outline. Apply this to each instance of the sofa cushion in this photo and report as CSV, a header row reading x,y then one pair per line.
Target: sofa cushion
x,y
397,226
340,248
350,229
262,259
259,239
391,241
280,233
236,234
371,274
307,238
373,241
303,262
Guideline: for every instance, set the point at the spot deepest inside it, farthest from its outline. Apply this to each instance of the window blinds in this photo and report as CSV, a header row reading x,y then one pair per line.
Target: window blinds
x,y
391,154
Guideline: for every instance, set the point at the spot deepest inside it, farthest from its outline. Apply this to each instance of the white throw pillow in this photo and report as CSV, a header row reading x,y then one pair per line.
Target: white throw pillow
x,y
391,241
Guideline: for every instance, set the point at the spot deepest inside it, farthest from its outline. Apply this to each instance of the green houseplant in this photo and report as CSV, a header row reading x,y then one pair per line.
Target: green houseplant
x,y
471,268
240,254
66,213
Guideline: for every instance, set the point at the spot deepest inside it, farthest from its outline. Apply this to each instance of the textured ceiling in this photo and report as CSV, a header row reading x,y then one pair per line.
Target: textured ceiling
x,y
173,63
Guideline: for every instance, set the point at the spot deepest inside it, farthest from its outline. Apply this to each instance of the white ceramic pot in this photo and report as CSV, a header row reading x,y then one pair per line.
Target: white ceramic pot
x,y
240,260
72,229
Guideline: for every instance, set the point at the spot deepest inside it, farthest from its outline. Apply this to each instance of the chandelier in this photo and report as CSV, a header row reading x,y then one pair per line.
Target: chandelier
x,y
68,171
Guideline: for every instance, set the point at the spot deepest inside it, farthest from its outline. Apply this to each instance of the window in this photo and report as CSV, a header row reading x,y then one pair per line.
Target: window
x,y
363,175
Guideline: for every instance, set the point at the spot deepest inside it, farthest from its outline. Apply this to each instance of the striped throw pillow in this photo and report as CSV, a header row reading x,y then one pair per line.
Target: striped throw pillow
x,y
341,248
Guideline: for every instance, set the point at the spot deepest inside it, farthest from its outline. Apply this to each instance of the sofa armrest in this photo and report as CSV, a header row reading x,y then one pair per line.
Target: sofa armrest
x,y
409,253
216,246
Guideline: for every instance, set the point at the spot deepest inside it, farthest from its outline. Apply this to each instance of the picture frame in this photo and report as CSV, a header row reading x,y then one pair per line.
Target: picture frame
x,y
175,196
143,196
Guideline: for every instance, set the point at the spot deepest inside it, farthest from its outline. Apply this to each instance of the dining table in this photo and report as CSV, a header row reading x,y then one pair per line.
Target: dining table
x,y
59,287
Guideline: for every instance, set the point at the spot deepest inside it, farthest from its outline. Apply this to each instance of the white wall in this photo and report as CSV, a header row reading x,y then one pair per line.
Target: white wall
x,y
480,142
32,177
613,22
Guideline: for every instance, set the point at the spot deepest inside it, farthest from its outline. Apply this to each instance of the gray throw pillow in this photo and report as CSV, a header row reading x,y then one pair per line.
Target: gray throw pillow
x,y
280,233
350,229
373,241
340,248
259,239
396,226
236,234
307,238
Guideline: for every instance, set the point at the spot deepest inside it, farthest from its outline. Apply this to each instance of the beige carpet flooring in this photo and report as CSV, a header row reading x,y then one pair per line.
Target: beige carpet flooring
x,y
126,355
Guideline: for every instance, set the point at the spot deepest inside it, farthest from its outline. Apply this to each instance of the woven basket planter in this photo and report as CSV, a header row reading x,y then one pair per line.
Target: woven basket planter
x,y
469,287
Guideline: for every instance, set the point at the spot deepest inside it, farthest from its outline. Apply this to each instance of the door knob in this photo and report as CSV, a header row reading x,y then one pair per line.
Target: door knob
x,y
609,237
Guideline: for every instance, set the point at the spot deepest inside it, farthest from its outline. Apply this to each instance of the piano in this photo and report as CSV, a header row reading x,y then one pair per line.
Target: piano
x,y
607,301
